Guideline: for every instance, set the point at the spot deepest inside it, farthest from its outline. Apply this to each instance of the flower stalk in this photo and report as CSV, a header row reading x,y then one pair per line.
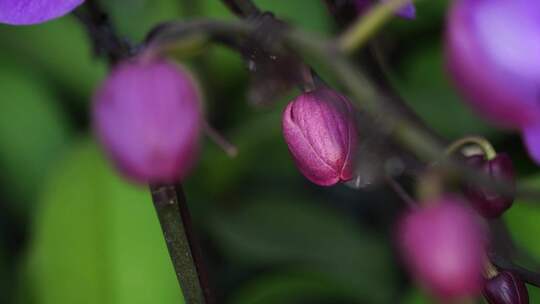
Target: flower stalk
x,y
171,208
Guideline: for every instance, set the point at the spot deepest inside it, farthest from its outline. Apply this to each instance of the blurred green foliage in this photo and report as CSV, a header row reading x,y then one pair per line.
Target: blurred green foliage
x,y
72,231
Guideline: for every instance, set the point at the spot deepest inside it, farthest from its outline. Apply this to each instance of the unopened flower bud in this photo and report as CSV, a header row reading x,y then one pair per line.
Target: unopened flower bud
x,y
23,12
147,115
443,246
488,202
320,129
506,288
408,11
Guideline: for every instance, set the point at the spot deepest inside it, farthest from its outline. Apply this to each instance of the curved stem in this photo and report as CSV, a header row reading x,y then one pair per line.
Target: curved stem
x,y
482,143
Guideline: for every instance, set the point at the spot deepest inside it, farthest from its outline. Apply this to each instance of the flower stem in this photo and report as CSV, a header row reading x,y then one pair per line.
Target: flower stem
x,y
171,208
366,26
482,143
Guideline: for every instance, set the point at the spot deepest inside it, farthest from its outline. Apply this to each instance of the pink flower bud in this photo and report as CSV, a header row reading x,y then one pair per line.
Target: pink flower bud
x,y
22,12
495,60
506,288
147,115
487,202
443,246
320,130
408,11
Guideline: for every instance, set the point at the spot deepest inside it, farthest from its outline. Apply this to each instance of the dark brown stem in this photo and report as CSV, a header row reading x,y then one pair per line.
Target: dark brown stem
x,y
171,208
105,40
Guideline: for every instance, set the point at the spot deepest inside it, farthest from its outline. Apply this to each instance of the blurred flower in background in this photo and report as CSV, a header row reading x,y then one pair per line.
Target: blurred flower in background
x,y
24,12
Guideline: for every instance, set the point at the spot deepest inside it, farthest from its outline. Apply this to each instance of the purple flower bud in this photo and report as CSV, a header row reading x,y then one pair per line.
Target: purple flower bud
x,y
320,130
443,246
494,60
408,11
23,12
147,115
487,202
506,288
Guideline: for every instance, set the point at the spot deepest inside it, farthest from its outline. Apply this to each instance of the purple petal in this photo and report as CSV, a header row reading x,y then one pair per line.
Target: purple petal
x,y
147,116
494,60
24,12
531,139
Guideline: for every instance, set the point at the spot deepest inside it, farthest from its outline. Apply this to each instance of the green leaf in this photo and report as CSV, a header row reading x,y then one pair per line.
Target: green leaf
x,y
96,239
273,230
33,133
425,86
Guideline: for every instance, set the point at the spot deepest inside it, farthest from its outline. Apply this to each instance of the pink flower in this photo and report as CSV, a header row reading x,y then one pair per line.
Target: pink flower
x,y
147,115
320,130
443,247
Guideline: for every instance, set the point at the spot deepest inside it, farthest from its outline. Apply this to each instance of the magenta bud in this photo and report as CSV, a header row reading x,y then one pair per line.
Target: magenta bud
x,y
506,288
443,246
408,11
147,115
494,60
320,129
24,12
489,203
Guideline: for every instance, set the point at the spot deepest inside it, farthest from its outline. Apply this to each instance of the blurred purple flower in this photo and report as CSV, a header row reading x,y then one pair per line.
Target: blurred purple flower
x,y
443,246
147,115
408,11
320,130
506,288
493,54
24,12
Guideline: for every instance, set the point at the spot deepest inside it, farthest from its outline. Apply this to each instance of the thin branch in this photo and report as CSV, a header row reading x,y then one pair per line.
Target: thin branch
x,y
171,208
403,195
104,38
366,26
